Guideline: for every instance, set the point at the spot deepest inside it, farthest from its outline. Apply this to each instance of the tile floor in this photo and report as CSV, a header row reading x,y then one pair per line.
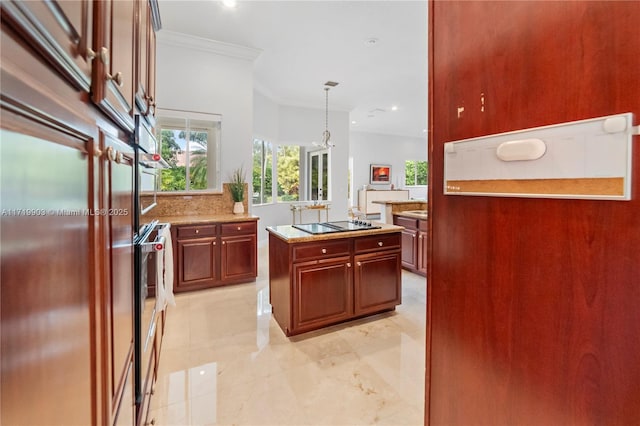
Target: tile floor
x,y
225,361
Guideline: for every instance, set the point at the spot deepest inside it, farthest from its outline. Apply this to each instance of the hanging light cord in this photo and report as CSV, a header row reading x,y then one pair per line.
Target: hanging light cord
x,y
326,135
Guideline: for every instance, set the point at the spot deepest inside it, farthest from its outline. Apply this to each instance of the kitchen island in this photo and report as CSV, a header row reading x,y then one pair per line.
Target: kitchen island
x,y
317,280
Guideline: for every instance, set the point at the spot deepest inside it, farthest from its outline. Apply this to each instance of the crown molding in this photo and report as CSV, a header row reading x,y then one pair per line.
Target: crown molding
x,y
173,38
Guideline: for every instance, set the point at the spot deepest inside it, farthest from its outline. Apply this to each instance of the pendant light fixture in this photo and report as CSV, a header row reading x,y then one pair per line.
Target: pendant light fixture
x,y
326,135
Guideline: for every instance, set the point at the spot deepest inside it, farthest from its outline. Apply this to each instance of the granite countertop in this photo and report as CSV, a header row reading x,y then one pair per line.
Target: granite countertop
x,y
293,235
415,214
203,218
398,202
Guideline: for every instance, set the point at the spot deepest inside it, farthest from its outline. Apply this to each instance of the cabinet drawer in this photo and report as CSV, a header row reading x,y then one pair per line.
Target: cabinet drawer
x,y
377,242
321,249
407,222
237,228
197,231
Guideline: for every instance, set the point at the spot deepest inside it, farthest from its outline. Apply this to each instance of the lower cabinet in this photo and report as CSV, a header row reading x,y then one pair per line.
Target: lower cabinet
x,y
214,254
319,283
414,243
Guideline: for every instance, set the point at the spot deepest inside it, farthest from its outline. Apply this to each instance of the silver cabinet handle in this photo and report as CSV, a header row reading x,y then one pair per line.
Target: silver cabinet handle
x,y
197,231
239,228
324,251
91,54
348,264
379,243
359,263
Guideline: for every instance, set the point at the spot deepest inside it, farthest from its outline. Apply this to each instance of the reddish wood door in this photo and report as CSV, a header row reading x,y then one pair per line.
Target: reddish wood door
x,y
532,303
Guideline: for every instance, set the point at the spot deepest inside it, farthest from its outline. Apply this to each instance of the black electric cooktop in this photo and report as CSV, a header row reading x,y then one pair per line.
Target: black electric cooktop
x,y
339,226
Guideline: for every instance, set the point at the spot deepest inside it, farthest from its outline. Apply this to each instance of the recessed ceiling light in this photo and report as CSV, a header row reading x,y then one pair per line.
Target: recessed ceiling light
x,y
394,108
424,130
372,41
354,122
230,3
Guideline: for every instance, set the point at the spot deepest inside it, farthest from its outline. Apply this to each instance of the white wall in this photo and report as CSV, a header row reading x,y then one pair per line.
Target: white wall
x,y
372,148
196,74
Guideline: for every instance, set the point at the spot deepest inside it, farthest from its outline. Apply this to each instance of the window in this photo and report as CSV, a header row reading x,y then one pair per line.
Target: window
x,y
262,172
288,173
415,172
189,143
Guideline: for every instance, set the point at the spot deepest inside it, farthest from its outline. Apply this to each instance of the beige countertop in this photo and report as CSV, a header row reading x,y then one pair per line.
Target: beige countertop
x,y
412,214
293,235
399,202
204,218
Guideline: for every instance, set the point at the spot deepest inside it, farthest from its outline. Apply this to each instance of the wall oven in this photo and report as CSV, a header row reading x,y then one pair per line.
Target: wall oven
x,y
150,242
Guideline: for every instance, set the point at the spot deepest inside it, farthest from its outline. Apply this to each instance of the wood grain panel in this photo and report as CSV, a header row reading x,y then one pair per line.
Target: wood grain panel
x,y
532,315
47,290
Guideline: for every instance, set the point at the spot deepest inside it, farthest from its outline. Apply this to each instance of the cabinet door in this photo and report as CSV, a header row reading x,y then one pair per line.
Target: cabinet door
x,y
117,214
409,249
126,414
322,293
148,24
48,285
60,31
239,260
196,263
423,252
377,282
113,82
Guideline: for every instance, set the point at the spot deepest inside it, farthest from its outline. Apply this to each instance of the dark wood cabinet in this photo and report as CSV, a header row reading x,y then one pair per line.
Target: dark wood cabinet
x,y
67,222
414,243
60,31
317,283
117,174
324,292
148,20
239,255
197,257
214,254
113,73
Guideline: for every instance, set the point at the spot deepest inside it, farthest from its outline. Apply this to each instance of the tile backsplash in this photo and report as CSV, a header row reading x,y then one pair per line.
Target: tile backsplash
x,y
193,203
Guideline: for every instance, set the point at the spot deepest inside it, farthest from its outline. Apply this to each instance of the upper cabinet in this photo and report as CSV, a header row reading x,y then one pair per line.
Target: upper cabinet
x,y
113,73
148,24
61,31
106,48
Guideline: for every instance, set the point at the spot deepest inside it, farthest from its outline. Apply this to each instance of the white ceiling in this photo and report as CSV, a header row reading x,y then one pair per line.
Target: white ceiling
x,y
306,43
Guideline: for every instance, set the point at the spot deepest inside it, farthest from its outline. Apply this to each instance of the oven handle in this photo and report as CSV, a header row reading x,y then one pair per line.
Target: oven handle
x,y
156,245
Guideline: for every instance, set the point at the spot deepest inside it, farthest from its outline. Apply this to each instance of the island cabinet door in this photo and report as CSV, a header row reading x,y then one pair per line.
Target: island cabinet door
x,y
322,293
377,281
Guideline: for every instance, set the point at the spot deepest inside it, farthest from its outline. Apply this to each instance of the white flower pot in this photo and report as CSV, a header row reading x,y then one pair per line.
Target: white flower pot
x,y
238,207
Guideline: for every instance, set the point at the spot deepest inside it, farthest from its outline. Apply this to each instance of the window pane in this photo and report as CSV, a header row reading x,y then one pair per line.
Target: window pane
x,y
422,172
288,173
190,146
409,172
262,172
198,160
173,178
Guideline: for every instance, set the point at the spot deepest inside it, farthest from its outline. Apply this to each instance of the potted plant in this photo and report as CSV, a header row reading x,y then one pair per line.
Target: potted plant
x,y
236,187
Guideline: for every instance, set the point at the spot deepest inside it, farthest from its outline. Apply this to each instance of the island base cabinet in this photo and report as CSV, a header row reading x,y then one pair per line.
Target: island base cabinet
x,y
377,282
319,283
323,293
